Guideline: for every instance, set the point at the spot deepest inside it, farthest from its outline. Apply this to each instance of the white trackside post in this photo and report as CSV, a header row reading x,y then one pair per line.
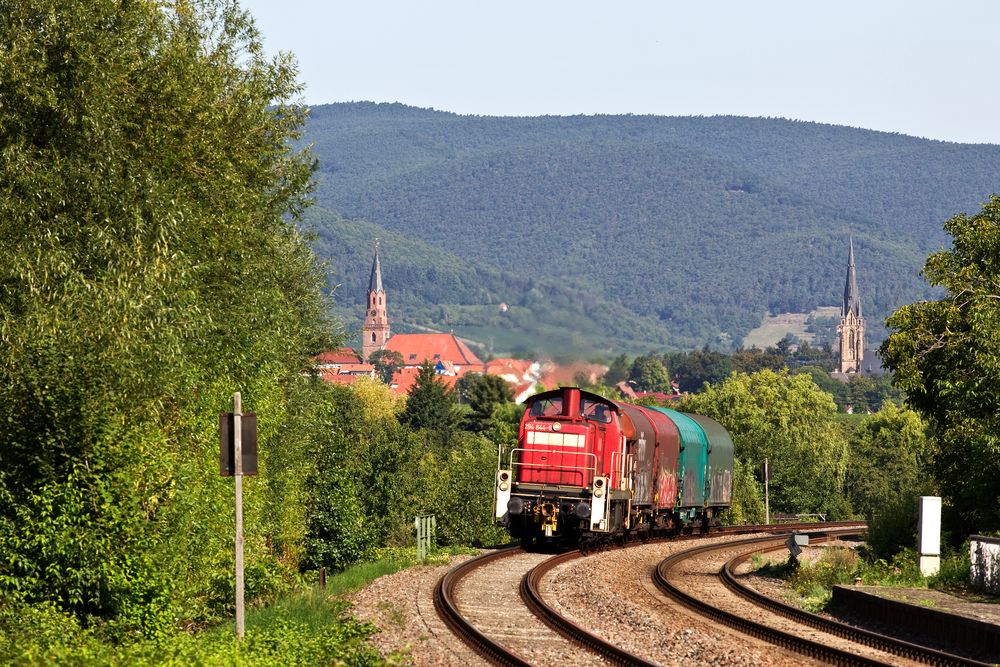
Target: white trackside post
x,y
599,503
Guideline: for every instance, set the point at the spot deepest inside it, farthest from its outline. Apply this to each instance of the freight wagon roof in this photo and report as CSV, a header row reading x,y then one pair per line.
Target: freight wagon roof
x,y
691,432
718,437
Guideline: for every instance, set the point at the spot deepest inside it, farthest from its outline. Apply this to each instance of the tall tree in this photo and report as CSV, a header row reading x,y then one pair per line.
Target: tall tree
x,y
649,374
889,453
149,269
430,403
483,393
945,355
691,370
386,363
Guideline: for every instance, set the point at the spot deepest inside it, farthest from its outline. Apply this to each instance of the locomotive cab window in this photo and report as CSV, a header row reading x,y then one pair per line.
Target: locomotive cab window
x,y
547,407
595,411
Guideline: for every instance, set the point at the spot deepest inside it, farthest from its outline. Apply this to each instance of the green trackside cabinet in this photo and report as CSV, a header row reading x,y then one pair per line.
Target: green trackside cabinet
x,y
719,475
693,459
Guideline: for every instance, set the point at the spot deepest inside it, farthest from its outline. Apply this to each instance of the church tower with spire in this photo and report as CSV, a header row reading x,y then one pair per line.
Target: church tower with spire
x,y
375,333
852,324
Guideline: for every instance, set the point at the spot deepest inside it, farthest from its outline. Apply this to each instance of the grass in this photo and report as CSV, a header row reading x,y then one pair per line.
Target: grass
x,y
812,583
308,626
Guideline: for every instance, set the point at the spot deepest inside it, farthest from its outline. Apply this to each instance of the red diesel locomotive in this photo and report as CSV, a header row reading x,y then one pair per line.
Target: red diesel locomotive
x,y
586,466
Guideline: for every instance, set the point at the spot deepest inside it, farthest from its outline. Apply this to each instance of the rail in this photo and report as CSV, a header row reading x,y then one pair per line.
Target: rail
x,y
530,593
444,603
661,577
875,640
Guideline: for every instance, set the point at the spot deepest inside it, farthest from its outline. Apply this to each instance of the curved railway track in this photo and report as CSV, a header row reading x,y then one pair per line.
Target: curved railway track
x,y
789,639
498,650
493,620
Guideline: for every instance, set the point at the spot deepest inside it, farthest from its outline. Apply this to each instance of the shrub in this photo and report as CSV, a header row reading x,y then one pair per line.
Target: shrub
x,y
895,527
955,570
902,569
309,628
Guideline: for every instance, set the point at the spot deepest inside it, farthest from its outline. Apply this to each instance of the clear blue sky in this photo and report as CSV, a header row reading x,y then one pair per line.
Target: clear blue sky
x,y
929,69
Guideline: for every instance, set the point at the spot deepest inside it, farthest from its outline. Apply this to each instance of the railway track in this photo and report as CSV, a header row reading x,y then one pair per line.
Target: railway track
x,y
867,648
488,620
498,616
480,601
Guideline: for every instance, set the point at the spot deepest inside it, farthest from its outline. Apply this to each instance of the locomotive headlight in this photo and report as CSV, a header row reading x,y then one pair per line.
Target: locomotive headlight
x,y
598,493
557,426
504,486
599,487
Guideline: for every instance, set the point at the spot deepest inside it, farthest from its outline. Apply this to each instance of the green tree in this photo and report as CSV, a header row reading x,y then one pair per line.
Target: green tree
x,y
748,497
483,393
889,453
149,269
430,403
649,374
693,369
945,355
458,489
753,360
386,363
789,420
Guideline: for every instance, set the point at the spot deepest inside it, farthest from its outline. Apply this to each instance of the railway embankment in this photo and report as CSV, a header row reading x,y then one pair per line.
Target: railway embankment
x,y
934,618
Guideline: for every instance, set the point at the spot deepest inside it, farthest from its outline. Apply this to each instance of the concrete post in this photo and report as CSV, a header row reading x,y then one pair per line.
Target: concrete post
x,y
929,535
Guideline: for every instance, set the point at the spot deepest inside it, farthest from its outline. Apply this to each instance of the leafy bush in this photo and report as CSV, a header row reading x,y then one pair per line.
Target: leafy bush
x,y
458,478
902,569
306,629
748,497
955,570
836,565
894,528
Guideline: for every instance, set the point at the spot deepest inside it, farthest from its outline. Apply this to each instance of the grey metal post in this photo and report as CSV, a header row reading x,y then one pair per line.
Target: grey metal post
x,y
238,475
767,495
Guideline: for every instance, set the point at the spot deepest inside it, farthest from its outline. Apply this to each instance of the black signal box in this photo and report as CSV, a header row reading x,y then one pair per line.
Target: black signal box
x,y
248,444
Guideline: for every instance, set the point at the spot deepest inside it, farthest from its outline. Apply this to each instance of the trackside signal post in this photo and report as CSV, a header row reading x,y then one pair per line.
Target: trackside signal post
x,y
766,475
237,460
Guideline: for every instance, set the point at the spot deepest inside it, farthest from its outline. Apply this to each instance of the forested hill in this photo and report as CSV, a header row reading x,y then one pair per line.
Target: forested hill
x,y
701,225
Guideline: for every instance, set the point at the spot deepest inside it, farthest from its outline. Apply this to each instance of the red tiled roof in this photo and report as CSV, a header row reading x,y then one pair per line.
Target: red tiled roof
x,y
405,378
343,355
341,378
417,348
625,389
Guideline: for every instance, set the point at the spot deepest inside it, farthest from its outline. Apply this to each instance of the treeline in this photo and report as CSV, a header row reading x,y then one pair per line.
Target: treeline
x,y
702,224
690,372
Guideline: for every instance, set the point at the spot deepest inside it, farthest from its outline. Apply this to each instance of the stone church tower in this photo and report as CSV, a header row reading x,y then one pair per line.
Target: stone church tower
x,y
852,325
375,333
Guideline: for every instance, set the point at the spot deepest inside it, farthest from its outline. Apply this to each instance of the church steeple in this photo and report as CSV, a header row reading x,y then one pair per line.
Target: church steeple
x,y
375,333
852,324
852,300
375,282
